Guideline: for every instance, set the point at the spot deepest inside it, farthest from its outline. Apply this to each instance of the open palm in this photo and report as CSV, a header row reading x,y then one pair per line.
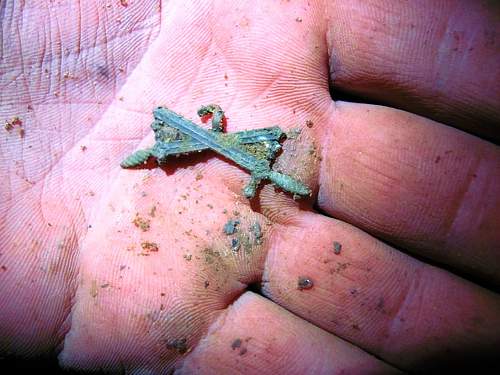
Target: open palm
x,y
130,270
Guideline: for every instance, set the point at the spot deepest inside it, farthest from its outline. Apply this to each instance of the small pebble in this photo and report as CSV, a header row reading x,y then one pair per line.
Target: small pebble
x,y
304,283
236,344
337,247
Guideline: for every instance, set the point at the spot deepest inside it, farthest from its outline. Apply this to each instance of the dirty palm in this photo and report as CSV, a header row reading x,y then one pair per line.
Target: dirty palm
x,y
282,239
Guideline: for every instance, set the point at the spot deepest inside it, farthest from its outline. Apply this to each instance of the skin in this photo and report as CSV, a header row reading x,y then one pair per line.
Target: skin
x,y
410,187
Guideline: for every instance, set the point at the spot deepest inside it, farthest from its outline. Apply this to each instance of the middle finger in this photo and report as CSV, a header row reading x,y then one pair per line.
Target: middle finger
x,y
376,297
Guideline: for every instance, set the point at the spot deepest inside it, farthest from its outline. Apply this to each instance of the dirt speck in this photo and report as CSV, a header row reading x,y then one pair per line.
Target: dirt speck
x,y
179,345
256,230
235,244
149,246
381,305
14,121
231,227
340,267
236,344
304,283
143,224
337,247
293,133
93,289
309,123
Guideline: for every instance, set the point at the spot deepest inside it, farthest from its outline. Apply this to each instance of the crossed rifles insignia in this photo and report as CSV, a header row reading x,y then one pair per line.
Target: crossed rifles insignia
x,y
253,150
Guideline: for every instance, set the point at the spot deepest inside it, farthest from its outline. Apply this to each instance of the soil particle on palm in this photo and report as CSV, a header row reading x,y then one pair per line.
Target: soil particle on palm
x,y
231,226
93,289
235,244
141,223
15,122
293,133
211,256
149,246
179,345
340,267
256,230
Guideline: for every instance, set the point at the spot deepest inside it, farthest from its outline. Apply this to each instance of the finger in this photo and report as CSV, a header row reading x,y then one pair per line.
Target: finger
x,y
255,336
429,188
379,298
438,59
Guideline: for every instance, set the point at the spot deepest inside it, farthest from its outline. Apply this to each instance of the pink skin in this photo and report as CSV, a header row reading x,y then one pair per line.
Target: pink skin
x,y
74,279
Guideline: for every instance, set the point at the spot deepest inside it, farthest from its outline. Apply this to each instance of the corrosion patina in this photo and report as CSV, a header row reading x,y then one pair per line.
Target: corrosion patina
x,y
253,150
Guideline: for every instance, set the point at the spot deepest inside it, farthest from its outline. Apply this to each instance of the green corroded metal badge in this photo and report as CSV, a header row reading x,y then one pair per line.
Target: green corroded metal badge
x,y
253,150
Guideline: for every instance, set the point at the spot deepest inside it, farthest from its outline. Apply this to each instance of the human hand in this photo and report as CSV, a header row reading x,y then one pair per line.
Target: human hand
x,y
130,270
